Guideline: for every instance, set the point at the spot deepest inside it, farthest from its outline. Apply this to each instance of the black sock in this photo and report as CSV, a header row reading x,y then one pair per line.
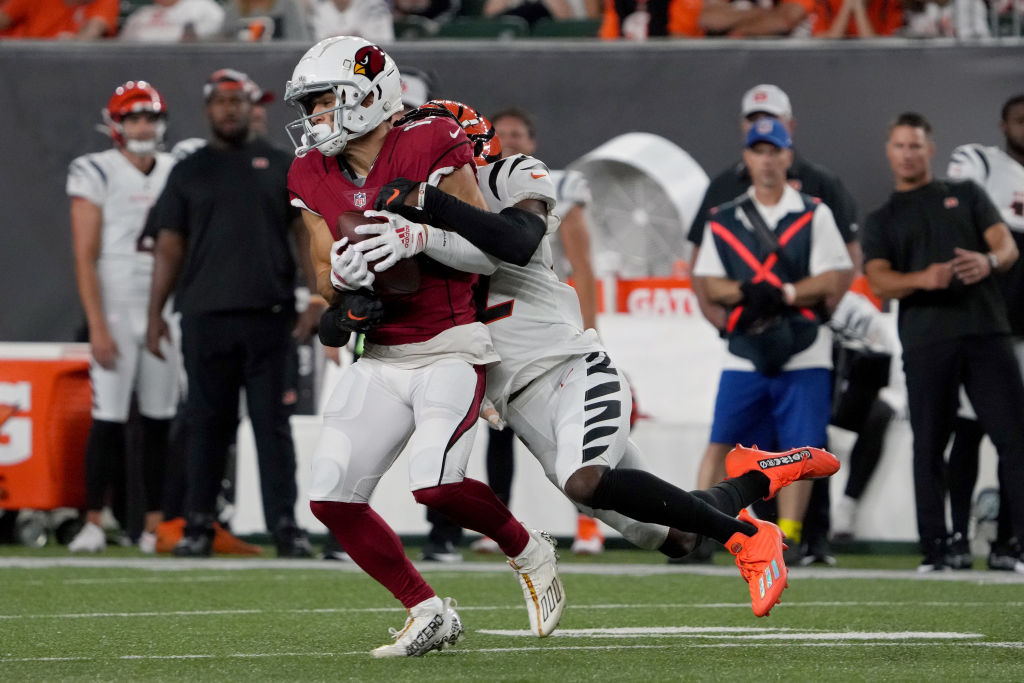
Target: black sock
x,y
646,498
732,495
104,460
155,442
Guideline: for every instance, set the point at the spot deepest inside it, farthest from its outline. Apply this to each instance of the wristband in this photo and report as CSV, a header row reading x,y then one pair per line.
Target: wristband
x,y
420,195
993,260
789,293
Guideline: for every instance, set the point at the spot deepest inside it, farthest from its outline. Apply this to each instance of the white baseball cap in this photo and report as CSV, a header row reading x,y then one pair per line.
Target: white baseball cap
x,y
769,99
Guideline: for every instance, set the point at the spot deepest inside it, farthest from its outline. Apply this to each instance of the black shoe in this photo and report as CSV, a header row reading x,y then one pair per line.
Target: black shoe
x,y
934,557
1003,556
441,552
291,541
704,553
332,550
794,553
817,551
958,556
196,545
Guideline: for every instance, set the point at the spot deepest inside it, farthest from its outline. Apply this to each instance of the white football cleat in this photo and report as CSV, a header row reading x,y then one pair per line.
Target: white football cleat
x,y
147,543
537,569
428,627
91,539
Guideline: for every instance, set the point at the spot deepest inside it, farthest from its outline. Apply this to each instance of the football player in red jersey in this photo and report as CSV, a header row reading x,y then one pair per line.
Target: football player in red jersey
x,y
420,381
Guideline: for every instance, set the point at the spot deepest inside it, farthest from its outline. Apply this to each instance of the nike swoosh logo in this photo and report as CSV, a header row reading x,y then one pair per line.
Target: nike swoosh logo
x,y
537,175
356,317
454,134
394,193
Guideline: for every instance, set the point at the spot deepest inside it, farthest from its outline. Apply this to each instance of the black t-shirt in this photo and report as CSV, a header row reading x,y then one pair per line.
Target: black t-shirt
x,y
232,208
918,228
804,176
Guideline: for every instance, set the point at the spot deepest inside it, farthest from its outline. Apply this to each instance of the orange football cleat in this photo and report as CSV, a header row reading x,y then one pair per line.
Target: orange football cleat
x,y
782,469
171,531
759,558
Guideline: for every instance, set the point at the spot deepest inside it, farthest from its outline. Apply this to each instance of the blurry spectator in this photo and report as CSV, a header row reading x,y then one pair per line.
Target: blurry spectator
x,y
111,193
224,222
61,19
259,20
767,100
946,19
858,18
534,10
1001,173
743,18
934,245
174,21
437,10
369,19
639,19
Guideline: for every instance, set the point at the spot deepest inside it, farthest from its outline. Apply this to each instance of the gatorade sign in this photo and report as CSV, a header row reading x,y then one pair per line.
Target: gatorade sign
x,y
15,423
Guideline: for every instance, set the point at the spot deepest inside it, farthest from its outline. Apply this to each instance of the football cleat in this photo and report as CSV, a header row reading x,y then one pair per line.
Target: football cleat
x,y
91,539
589,539
782,469
537,569
759,558
431,625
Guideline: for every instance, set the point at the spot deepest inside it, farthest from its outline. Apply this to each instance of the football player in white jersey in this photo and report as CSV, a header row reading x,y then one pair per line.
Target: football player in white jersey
x,y
111,193
1001,173
556,386
570,254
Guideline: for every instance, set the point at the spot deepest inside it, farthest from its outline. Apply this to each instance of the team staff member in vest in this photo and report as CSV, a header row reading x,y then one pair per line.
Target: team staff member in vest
x,y
772,277
934,245
224,220
761,101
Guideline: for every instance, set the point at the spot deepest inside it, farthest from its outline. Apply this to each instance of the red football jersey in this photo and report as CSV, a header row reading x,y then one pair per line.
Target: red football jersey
x,y
422,150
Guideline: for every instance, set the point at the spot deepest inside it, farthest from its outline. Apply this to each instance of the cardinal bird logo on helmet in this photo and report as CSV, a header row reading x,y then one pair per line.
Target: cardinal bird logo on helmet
x,y
369,62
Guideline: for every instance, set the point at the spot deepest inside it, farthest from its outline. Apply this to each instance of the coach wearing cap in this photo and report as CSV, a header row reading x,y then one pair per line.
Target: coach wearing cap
x,y
224,249
805,263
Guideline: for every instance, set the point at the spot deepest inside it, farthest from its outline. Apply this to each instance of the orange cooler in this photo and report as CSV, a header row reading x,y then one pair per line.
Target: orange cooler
x,y
45,414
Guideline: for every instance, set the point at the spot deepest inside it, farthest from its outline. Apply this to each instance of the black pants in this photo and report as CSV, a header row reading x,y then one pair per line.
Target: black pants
x,y
988,370
224,352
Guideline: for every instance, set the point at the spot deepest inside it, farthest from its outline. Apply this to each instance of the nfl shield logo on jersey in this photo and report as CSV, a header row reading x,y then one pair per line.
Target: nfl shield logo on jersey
x,y
360,199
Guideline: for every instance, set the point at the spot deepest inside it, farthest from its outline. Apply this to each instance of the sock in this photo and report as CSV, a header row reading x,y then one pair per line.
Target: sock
x,y
646,498
732,495
155,442
792,528
375,547
104,457
473,505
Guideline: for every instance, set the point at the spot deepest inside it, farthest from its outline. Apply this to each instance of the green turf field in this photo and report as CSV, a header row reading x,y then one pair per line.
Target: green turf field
x,y
631,617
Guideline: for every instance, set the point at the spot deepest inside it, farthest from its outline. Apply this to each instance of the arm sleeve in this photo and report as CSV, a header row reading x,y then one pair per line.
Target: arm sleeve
x,y
512,235
457,252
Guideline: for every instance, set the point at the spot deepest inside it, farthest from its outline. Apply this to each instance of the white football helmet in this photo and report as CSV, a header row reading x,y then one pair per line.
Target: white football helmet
x,y
352,69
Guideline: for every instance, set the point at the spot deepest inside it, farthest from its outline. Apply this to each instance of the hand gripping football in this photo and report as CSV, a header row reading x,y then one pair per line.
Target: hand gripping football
x,y
401,278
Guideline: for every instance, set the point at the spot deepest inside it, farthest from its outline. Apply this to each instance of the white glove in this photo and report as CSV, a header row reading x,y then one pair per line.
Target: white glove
x,y
397,239
349,269
490,413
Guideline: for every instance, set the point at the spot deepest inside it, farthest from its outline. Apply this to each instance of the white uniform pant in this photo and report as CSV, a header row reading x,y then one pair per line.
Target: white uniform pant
x,y
155,381
576,415
376,410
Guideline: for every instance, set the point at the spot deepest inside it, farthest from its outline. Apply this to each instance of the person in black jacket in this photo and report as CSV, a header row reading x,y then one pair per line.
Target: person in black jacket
x,y
935,245
224,221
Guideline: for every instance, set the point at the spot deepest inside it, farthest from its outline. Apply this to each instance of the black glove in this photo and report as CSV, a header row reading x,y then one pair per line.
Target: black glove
x,y
357,311
761,301
392,198
764,297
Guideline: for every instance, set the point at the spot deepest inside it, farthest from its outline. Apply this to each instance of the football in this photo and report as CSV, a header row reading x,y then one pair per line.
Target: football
x,y
401,278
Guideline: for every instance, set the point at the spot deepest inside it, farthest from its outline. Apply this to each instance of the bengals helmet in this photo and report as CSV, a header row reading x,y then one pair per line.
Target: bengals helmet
x,y
486,146
135,97
353,69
